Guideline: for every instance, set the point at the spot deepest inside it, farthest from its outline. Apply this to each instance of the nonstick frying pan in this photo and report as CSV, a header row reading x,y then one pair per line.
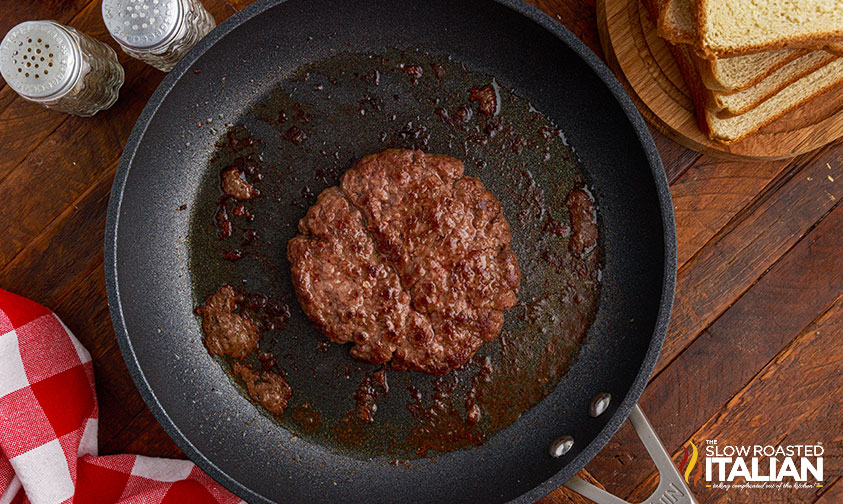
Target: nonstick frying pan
x,y
152,273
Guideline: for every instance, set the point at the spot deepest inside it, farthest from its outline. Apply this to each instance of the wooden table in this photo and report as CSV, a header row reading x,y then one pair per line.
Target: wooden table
x,y
755,349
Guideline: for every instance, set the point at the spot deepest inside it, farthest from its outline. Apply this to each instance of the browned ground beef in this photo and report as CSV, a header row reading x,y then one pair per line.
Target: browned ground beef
x,y
233,184
408,259
226,331
486,98
265,387
583,222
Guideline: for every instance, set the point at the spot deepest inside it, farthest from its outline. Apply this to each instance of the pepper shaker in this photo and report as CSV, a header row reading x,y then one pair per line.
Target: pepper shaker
x,y
60,67
158,32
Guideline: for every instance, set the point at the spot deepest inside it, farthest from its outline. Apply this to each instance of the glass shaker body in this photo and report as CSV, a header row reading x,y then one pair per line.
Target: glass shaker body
x,y
157,32
60,67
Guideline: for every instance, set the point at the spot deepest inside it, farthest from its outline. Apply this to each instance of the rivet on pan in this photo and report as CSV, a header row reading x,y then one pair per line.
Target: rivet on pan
x,y
561,445
599,404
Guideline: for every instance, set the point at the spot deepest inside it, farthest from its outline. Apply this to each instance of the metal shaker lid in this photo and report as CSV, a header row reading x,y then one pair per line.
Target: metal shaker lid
x,y
142,24
39,60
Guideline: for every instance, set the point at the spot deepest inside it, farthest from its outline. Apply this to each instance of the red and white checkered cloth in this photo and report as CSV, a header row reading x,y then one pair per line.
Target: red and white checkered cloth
x,y
48,425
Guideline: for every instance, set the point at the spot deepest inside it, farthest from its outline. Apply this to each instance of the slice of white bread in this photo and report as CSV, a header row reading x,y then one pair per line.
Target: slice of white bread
x,y
729,75
732,27
732,104
677,24
733,129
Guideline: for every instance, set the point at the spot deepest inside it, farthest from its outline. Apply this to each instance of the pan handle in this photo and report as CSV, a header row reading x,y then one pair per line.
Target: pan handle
x,y
671,486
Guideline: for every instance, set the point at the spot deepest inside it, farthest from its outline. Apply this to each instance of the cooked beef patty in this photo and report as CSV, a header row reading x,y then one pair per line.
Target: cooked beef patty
x,y
408,259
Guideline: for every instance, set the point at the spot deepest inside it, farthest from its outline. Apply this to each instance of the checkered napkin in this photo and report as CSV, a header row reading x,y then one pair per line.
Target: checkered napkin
x,y
48,425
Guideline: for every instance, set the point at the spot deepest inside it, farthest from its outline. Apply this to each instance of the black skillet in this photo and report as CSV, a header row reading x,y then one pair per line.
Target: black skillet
x,y
152,272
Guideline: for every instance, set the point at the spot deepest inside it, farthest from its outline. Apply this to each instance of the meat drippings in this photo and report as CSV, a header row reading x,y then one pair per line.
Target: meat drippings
x,y
441,426
367,394
306,417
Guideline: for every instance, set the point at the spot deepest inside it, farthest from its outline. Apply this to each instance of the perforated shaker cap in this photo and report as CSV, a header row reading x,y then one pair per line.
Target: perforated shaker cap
x,y
39,60
142,24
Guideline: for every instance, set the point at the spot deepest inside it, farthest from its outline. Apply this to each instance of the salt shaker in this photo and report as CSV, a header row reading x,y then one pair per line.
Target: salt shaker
x,y
60,67
158,32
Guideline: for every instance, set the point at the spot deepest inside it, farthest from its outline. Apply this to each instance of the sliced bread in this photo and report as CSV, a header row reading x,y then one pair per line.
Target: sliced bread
x,y
733,129
677,25
729,130
732,104
733,27
737,73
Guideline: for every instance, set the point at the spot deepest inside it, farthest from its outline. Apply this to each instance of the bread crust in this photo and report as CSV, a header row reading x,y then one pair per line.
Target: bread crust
x,y
717,105
813,42
709,77
692,79
813,95
665,30
765,122
808,43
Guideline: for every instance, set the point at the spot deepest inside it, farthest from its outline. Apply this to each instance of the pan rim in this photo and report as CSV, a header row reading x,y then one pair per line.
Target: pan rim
x,y
545,22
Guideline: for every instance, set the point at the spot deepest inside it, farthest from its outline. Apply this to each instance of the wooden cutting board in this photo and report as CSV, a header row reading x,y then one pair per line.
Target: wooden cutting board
x,y
643,63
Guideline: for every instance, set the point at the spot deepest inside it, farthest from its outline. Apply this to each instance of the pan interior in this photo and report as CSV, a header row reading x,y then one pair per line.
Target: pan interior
x,y
165,166
295,142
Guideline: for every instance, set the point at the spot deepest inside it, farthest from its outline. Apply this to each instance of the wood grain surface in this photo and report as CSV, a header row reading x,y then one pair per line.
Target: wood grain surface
x,y
755,349
649,72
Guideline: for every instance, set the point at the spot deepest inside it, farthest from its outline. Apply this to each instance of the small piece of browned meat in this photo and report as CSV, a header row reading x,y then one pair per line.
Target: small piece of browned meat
x,y
408,259
233,184
583,222
486,98
226,331
267,388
